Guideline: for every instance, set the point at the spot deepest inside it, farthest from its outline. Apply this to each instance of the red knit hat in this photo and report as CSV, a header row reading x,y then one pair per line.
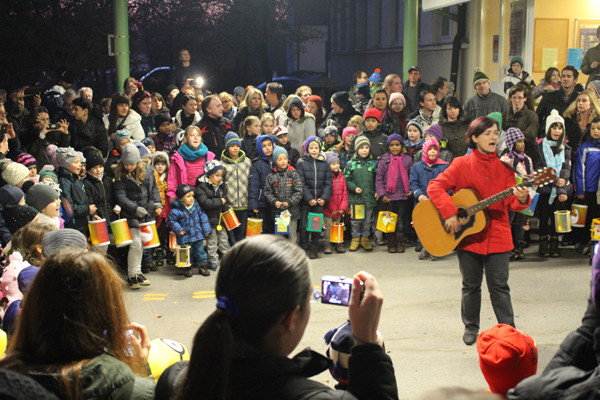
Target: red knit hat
x,y
506,357
373,113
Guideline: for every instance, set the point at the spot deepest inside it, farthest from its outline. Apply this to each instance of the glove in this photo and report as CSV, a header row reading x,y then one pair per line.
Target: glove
x,y
141,212
117,209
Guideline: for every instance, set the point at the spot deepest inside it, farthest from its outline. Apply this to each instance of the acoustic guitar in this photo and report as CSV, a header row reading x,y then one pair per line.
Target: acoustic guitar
x,y
429,224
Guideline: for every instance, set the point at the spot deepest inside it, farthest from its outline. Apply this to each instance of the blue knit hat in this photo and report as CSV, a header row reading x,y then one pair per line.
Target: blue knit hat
x,y
211,167
312,139
375,76
232,138
395,136
436,131
148,142
277,151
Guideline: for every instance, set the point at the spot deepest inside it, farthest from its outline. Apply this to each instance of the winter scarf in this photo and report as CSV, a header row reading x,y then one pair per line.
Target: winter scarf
x,y
554,161
520,157
396,168
191,155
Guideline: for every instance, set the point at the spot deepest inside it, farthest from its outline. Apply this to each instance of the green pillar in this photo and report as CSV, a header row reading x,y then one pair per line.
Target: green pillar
x,y
411,35
121,42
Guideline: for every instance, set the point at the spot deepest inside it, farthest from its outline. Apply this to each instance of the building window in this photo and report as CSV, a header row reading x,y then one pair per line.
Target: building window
x,y
399,20
448,24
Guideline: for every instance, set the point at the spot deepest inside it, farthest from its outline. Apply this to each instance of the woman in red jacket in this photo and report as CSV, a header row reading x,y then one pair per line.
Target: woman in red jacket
x,y
489,249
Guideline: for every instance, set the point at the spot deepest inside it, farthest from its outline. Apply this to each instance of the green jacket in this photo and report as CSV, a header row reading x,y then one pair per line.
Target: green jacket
x,y
360,173
590,56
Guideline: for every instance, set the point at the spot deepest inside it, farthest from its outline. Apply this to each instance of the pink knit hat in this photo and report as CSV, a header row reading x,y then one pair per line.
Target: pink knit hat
x,y
349,130
396,96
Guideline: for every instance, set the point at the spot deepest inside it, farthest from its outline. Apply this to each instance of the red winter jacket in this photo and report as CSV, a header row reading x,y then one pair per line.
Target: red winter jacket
x,y
486,174
339,197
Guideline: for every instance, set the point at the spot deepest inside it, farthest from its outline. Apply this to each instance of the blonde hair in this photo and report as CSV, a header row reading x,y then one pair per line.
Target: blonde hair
x,y
225,95
357,119
302,89
139,172
251,92
190,129
266,117
247,122
595,107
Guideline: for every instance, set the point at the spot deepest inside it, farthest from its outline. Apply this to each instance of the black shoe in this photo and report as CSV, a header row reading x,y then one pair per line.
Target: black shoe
x,y
312,251
469,338
153,267
145,269
142,280
203,270
554,250
133,283
188,272
418,247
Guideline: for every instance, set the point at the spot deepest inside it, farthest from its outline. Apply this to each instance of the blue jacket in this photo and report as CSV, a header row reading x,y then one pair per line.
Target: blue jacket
x,y
261,168
587,167
74,193
315,175
420,176
193,222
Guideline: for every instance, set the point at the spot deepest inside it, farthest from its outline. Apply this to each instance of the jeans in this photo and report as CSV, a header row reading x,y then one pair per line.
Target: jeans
x,y
495,265
197,253
362,227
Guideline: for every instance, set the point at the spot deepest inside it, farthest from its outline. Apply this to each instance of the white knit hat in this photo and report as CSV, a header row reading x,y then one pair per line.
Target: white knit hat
x,y
553,118
14,173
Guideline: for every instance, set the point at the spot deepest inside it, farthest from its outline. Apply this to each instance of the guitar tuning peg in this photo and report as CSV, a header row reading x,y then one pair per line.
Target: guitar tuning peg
x,y
539,170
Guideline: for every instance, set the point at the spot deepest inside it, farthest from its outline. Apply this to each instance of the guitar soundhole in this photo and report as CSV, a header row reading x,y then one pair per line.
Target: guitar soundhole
x,y
462,215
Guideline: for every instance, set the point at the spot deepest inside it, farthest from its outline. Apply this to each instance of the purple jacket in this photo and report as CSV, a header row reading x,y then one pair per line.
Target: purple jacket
x,y
381,178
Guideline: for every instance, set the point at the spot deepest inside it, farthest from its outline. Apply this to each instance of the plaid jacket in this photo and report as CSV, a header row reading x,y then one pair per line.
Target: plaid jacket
x,y
193,222
284,186
237,174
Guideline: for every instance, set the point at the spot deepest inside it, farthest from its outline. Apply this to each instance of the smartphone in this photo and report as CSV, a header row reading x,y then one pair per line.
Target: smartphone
x,y
336,290
53,127
128,334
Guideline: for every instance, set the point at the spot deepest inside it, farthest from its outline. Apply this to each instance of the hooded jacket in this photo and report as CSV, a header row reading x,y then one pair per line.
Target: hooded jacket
x,y
299,129
209,197
564,173
193,222
236,179
315,175
587,167
74,193
132,124
421,174
360,173
284,186
261,167
130,195
179,122
455,136
99,192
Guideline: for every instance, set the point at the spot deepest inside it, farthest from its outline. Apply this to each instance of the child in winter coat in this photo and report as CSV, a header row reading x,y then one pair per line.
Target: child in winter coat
x,y
377,139
330,141
421,173
282,136
30,162
392,186
360,174
516,157
237,173
414,134
300,124
211,195
136,193
338,203
283,190
191,226
435,131
165,138
556,154
122,137
344,148
317,186
45,198
587,173
160,162
261,167
249,132
73,193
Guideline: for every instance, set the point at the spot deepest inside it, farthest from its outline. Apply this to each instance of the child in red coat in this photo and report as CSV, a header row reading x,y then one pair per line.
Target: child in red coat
x,y
337,205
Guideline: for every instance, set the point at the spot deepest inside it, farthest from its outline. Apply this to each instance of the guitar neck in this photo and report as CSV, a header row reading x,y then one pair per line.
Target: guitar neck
x,y
483,204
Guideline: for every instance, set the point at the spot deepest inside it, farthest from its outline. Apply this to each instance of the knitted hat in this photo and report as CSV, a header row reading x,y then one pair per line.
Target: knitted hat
x,y
26,277
361,141
56,240
506,357
51,151
182,190
512,136
373,113
48,174
93,157
238,90
232,138
431,142
26,159
40,195
364,89
436,131
277,151
330,130
81,157
554,118
144,151
516,59
396,96
14,173
496,116
10,196
479,76
211,167
349,130
122,134
65,156
130,154
27,185
331,157
148,142
312,139
21,216
395,136
342,99
376,76
280,130
160,119
160,156
416,124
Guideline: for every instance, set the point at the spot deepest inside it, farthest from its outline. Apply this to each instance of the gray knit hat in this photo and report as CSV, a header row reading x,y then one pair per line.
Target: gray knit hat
x,y
130,154
15,173
56,240
10,196
65,156
40,195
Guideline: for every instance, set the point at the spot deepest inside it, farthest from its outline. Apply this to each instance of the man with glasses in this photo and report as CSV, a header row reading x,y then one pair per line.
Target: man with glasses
x,y
485,101
519,116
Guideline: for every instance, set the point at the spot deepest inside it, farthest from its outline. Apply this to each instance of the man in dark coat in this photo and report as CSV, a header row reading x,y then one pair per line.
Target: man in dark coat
x,y
559,99
213,125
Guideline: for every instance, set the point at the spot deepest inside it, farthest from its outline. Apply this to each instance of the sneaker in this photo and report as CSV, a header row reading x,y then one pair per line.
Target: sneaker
x,y
469,338
213,266
133,283
142,280
188,273
418,247
203,269
433,258
423,254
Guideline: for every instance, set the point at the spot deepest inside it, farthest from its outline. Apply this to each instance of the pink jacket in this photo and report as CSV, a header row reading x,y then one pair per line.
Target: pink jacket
x,y
178,175
339,196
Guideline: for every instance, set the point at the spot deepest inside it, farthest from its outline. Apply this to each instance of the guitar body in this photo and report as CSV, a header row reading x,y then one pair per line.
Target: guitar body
x,y
429,225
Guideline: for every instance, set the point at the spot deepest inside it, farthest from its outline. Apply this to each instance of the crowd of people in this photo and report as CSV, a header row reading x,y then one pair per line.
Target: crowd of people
x,y
186,158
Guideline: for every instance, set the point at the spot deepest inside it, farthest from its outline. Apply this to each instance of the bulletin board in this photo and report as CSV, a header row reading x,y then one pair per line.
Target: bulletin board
x,y
550,34
585,34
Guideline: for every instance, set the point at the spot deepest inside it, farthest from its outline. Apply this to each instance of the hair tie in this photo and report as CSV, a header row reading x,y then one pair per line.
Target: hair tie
x,y
229,305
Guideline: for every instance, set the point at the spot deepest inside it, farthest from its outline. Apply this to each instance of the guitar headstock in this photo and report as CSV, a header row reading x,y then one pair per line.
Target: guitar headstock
x,y
541,177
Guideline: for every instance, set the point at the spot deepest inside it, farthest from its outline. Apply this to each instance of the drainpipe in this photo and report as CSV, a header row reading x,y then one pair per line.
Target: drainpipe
x,y
457,43
411,35
121,39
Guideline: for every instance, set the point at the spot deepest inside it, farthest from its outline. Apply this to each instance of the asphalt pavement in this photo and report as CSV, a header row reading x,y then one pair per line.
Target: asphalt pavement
x,y
420,321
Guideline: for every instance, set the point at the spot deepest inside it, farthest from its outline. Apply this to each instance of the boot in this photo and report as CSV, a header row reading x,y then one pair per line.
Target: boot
x,y
366,244
544,250
354,244
519,255
391,239
312,251
400,244
327,249
340,248
554,250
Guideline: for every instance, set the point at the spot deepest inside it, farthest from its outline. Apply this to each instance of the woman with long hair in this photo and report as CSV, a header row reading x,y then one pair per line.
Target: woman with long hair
x,y
121,116
253,104
74,335
578,117
141,102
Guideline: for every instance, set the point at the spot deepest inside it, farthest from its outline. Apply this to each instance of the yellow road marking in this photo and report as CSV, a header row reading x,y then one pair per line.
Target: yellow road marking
x,y
152,298
155,294
205,296
204,292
